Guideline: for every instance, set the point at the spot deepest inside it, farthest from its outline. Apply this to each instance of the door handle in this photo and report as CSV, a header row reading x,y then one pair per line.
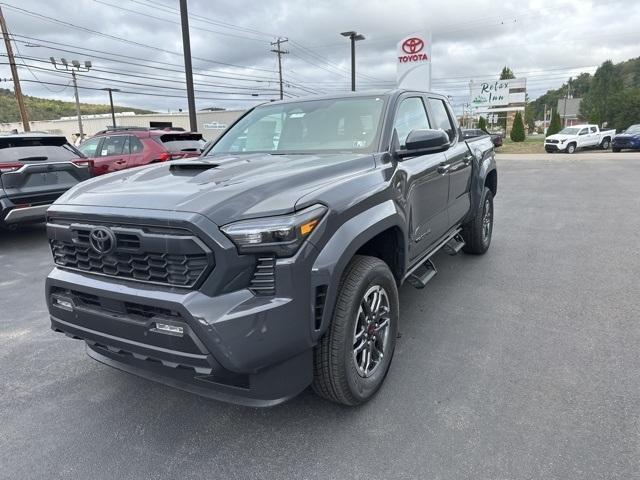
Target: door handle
x,y
120,161
468,158
444,168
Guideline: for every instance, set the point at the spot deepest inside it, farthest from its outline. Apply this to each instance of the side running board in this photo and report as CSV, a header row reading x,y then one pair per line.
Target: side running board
x,y
421,275
454,245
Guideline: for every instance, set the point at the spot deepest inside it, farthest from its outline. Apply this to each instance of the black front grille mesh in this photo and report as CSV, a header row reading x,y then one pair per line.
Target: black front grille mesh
x,y
177,270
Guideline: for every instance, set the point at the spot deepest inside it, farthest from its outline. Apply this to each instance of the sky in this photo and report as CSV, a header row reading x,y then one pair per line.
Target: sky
x,y
136,46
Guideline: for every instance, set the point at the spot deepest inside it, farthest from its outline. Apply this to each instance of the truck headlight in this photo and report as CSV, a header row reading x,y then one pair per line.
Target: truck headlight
x,y
281,235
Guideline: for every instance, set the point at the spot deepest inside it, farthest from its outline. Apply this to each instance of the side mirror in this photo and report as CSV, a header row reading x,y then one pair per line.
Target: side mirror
x,y
421,142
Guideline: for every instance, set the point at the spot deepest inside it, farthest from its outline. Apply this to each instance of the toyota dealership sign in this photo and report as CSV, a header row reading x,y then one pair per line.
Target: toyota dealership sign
x,y
414,62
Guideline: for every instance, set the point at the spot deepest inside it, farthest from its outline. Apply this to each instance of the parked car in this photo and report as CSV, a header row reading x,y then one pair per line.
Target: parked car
x,y
273,261
468,133
570,139
126,147
628,139
35,169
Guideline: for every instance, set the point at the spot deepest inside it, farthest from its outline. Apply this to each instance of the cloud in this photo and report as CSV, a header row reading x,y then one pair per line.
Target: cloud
x,y
471,39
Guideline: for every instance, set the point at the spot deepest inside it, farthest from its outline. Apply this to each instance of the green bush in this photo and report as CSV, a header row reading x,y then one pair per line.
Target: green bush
x,y
482,124
554,126
517,131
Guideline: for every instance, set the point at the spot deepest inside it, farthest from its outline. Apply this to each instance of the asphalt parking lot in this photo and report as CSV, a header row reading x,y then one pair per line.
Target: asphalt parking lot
x,y
521,364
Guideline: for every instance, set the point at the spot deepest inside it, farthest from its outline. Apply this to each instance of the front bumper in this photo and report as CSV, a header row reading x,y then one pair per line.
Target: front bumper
x,y
234,346
626,145
554,147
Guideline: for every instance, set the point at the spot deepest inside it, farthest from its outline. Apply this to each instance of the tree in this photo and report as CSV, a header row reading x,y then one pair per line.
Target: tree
x,y
554,126
482,124
506,73
625,107
596,104
517,131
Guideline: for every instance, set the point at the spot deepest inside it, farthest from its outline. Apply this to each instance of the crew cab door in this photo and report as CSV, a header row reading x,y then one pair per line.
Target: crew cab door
x,y
426,187
583,138
458,163
594,136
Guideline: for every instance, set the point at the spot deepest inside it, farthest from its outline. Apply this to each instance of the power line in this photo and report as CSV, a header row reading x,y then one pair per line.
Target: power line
x,y
120,39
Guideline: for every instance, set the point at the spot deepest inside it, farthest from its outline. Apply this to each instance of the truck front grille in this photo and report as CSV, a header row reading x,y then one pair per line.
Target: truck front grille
x,y
173,258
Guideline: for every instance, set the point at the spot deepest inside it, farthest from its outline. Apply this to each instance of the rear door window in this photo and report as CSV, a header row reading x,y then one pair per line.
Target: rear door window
x,y
113,146
135,145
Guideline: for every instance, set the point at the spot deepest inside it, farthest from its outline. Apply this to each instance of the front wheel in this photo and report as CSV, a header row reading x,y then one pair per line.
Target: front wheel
x,y
353,357
571,148
616,150
477,232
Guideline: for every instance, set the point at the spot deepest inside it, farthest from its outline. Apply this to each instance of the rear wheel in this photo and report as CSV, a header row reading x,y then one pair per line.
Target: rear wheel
x,y
605,144
615,149
571,148
353,357
477,232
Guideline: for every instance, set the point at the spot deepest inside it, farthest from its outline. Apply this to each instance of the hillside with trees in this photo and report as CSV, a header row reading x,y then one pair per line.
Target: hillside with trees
x,y
611,95
47,109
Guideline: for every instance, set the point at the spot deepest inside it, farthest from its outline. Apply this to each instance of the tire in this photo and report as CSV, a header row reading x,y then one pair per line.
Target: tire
x,y
571,148
478,231
616,150
605,144
338,375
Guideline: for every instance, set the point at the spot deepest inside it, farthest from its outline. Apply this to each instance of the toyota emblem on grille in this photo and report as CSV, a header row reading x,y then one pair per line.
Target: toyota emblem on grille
x,y
102,240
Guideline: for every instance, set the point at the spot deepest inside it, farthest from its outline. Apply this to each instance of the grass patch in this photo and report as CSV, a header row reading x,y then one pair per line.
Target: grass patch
x,y
532,144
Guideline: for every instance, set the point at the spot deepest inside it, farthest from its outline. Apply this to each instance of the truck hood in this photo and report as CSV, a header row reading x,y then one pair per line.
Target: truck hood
x,y
559,137
223,188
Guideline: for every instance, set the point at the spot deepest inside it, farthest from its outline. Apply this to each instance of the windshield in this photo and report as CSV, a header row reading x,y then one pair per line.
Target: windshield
x,y
633,129
333,125
569,131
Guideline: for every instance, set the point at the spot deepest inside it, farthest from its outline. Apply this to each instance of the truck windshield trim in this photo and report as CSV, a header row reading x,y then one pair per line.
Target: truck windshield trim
x,y
337,125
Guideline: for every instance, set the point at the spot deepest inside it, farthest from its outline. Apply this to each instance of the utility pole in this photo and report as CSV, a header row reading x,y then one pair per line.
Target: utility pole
x,y
278,51
113,113
74,66
354,37
564,113
14,73
544,121
188,69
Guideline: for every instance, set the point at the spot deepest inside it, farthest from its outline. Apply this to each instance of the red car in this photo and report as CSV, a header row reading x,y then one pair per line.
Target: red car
x,y
127,147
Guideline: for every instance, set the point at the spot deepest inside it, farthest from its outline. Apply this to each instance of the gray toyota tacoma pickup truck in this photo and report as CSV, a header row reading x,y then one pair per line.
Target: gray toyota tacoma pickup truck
x,y
273,261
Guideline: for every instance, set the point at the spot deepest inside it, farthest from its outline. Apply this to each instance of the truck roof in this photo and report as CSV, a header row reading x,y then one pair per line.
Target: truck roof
x,y
361,93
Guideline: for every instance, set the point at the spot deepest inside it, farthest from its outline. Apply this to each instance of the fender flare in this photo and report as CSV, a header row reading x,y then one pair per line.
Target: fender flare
x,y
343,245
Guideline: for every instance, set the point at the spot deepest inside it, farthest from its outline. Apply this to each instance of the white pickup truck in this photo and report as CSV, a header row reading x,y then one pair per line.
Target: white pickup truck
x,y
570,139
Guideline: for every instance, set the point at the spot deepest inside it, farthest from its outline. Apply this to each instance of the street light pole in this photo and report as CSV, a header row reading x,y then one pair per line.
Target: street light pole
x,y
354,37
113,113
74,66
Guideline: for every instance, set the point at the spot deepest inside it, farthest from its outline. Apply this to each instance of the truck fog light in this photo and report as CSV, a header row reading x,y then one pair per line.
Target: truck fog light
x,y
163,327
63,303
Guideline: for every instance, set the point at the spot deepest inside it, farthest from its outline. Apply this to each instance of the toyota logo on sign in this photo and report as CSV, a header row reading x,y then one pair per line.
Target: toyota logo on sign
x,y
102,240
413,45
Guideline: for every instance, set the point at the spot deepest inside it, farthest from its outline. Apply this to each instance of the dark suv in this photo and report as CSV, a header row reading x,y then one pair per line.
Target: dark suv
x,y
273,262
35,169
127,147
